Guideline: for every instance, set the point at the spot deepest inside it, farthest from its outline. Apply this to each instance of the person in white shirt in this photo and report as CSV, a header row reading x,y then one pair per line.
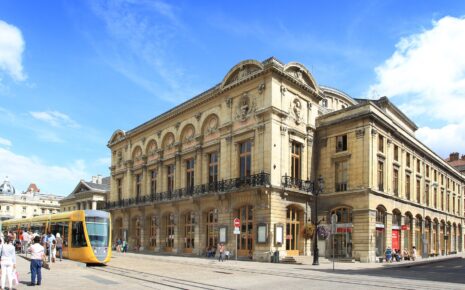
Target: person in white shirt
x,y
37,255
24,242
8,262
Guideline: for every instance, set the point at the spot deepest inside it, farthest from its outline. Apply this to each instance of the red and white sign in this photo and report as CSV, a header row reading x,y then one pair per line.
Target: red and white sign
x,y
237,222
405,227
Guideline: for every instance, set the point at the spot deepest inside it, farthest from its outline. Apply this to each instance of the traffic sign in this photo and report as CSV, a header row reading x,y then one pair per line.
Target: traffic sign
x,y
237,222
237,231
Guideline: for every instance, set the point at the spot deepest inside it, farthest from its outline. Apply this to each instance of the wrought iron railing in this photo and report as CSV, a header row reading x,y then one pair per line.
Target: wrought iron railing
x,y
300,184
256,180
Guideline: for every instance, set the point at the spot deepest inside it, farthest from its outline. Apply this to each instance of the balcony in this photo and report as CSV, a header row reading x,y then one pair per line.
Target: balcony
x,y
300,184
256,180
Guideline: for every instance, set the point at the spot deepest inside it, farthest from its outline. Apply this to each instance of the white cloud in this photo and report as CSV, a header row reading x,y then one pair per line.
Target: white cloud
x,y
11,50
23,170
426,78
5,142
103,161
56,119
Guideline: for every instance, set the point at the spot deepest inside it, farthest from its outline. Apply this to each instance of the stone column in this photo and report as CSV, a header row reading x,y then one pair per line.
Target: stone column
x,y
198,167
438,237
178,171
177,232
388,230
364,235
94,205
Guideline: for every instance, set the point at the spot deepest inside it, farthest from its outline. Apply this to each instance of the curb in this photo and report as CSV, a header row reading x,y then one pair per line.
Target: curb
x,y
420,263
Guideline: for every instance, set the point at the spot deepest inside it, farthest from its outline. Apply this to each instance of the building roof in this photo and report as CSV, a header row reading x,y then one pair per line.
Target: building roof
x,y
6,188
89,186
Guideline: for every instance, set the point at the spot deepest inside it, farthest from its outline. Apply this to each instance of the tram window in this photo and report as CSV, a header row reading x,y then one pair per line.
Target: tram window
x,y
65,233
78,237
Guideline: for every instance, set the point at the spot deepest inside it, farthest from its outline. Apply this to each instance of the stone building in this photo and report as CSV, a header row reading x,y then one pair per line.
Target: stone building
x,y
26,204
87,195
251,147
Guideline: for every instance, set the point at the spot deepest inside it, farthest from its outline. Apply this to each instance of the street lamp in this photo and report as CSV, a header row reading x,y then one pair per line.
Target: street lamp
x,y
318,187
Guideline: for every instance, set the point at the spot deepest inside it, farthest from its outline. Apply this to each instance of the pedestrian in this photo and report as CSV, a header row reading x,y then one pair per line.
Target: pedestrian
x,y
221,251
59,248
24,242
37,256
388,254
125,246
8,262
54,250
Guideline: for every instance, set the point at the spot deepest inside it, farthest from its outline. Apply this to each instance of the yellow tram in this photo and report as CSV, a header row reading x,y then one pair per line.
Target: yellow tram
x,y
86,233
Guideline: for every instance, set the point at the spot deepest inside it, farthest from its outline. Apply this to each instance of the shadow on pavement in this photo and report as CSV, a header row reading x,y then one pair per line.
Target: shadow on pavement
x,y
450,271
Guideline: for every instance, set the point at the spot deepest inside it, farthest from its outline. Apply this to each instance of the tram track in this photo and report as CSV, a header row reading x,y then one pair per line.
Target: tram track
x,y
343,279
152,278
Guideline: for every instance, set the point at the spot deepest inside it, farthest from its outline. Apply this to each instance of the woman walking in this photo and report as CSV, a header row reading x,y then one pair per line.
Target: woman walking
x,y
59,245
8,262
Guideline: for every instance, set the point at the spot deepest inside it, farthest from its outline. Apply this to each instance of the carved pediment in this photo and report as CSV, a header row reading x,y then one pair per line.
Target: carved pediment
x,y
241,71
300,72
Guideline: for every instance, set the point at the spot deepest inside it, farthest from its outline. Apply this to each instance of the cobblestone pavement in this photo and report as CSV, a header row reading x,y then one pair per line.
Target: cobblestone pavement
x,y
141,271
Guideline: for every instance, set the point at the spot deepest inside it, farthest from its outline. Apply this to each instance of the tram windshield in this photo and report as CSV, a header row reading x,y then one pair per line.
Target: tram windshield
x,y
98,229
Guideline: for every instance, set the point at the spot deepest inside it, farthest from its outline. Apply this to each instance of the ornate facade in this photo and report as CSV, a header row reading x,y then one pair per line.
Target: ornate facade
x,y
25,204
87,195
249,148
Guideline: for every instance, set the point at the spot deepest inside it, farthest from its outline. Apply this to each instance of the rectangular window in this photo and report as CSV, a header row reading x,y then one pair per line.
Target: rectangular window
x,y
407,187
435,197
418,191
453,204
77,235
427,171
341,143
213,168
407,159
381,143
138,185
170,177
447,202
245,157
435,175
190,174
418,165
119,189
296,154
380,175
342,179
395,181
442,199
427,194
153,181
396,153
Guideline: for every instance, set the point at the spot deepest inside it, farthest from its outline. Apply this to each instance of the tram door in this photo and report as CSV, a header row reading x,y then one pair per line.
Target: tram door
x,y
61,228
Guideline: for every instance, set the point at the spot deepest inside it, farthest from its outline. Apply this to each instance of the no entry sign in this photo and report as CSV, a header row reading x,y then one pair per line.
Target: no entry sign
x,y
237,222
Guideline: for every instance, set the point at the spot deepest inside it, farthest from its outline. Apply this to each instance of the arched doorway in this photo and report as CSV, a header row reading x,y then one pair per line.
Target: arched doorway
x,y
441,238
380,230
189,232
151,221
169,225
292,231
418,234
343,235
212,229
435,236
428,235
245,240
396,229
454,238
408,220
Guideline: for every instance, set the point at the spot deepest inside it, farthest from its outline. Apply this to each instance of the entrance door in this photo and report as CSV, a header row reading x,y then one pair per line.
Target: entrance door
x,y
246,238
396,239
292,232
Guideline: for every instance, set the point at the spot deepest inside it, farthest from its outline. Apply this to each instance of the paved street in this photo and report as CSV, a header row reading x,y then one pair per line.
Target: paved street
x,y
137,271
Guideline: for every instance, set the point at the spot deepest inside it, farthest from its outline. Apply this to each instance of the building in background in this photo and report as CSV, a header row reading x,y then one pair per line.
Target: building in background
x,y
26,204
252,148
87,195
456,162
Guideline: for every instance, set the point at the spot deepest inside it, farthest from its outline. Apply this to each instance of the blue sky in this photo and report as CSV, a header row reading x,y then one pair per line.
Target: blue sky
x,y
72,72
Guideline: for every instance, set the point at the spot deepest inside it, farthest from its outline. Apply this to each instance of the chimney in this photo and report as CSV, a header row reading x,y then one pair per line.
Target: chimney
x,y
99,179
454,156
94,179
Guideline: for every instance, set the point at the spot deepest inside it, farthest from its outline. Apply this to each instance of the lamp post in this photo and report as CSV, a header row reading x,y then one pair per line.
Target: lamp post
x,y
317,189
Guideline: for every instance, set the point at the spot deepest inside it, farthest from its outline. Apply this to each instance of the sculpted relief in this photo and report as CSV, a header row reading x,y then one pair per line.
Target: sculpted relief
x,y
245,108
297,110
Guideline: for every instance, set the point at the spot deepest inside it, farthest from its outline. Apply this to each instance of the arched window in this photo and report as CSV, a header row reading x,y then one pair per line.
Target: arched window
x,y
169,232
396,229
343,235
212,228
408,231
189,232
153,232
380,230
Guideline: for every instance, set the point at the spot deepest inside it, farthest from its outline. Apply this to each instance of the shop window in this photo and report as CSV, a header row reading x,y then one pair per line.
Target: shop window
x,y
212,229
189,230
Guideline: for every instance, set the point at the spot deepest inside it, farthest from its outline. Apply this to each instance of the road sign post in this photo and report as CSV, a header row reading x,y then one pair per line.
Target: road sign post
x,y
333,231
